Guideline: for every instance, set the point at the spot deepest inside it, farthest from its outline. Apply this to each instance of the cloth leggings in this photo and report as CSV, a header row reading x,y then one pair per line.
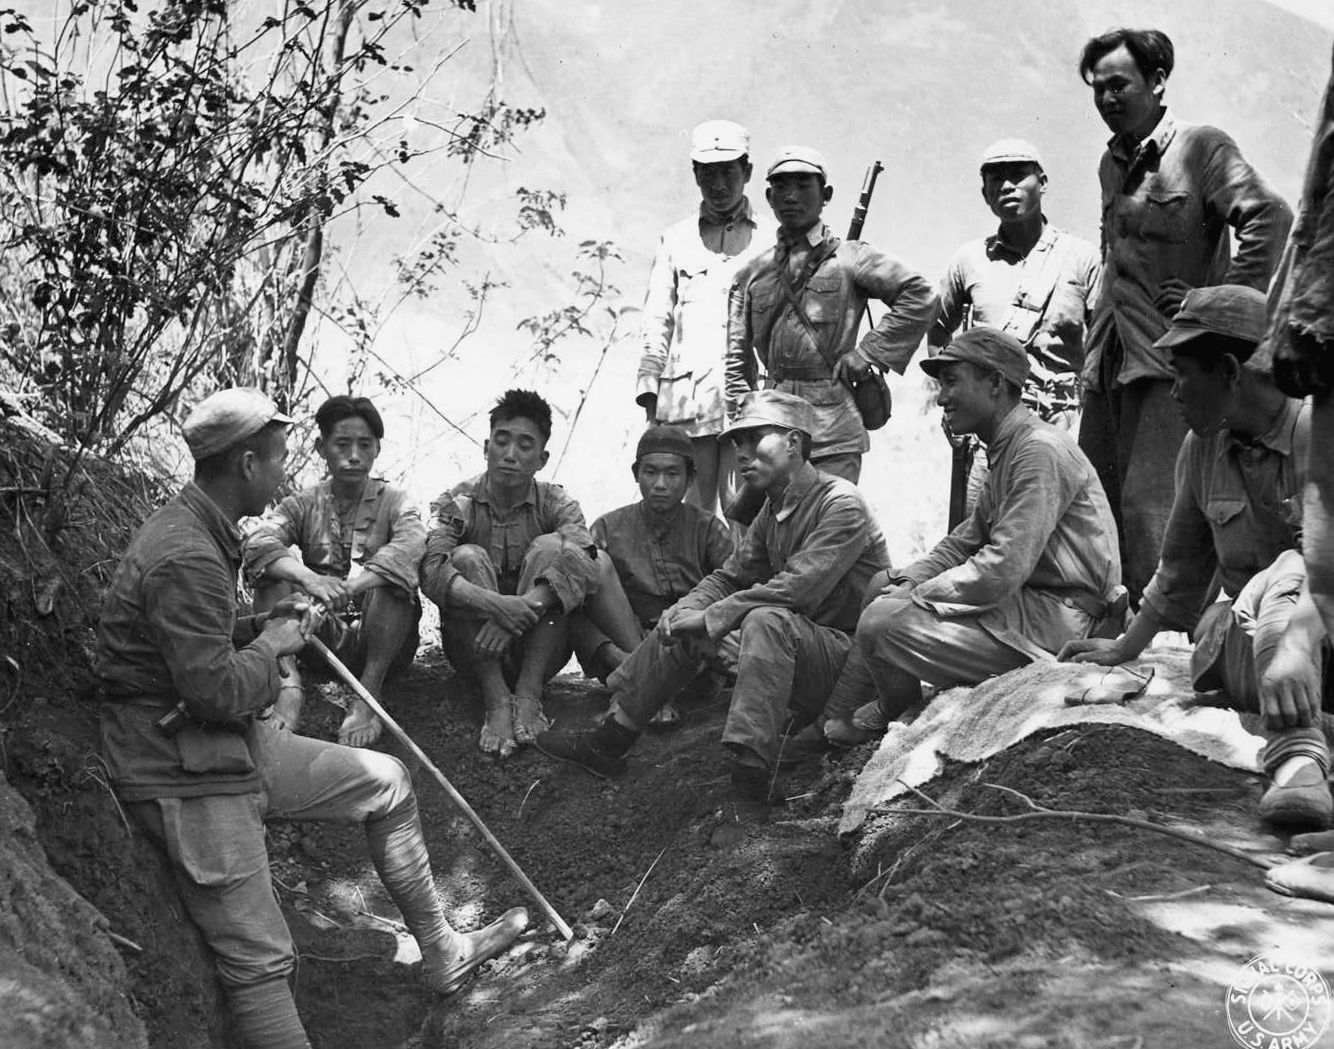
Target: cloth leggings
x,y
221,865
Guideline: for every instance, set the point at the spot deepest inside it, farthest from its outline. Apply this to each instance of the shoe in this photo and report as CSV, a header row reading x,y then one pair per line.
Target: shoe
x,y
747,806
599,750
796,747
1303,801
478,948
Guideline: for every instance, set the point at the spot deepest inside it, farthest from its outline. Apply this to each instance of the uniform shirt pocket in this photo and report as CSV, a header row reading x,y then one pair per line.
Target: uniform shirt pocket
x,y
1166,216
823,299
1234,540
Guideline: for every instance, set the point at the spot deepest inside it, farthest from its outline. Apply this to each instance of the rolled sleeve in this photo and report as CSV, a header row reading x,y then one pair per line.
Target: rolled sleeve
x,y
271,538
448,529
570,575
398,560
912,307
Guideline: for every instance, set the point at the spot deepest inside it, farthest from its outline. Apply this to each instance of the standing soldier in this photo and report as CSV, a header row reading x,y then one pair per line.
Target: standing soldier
x,y
1029,279
684,334
1170,192
796,308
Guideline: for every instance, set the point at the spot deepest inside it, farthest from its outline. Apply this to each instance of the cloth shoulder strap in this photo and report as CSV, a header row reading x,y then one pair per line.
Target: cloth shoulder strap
x,y
1032,295
793,292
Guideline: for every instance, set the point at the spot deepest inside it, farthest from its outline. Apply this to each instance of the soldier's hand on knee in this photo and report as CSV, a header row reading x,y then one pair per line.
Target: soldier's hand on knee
x,y
513,614
1290,686
492,639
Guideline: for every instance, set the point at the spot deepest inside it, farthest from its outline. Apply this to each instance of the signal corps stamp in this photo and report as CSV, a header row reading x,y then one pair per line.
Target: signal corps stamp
x,y
1277,1002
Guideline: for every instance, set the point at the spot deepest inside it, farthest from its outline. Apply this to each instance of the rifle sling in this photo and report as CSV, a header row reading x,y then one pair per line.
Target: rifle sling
x,y
793,292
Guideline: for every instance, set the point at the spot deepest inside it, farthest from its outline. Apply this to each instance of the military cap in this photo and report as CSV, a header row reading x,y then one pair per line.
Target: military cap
x,y
796,160
228,416
787,411
718,141
988,348
1227,309
669,439
1010,151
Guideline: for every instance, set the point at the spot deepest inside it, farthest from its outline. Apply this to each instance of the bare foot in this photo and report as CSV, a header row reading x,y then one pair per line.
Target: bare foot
x,y
528,718
360,728
286,712
498,732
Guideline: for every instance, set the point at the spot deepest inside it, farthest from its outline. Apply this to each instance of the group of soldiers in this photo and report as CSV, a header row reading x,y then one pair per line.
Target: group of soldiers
x,y
1142,472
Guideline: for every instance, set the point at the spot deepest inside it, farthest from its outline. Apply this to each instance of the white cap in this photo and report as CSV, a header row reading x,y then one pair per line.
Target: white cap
x,y
718,141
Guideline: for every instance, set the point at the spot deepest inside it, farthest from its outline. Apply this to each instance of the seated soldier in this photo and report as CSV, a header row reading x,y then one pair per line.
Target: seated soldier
x,y
659,547
201,765
792,588
1032,567
360,540
507,559
1236,518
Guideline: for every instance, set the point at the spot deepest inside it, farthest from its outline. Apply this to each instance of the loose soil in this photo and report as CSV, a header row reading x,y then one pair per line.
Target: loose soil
x,y
923,931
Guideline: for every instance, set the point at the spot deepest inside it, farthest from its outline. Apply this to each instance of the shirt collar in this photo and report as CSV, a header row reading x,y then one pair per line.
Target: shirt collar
x,y
813,237
795,491
1015,419
660,522
1279,436
224,531
741,213
1128,152
997,245
482,492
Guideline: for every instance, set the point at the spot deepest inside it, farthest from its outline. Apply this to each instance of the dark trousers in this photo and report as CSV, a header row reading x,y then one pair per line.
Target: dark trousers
x,y
1132,433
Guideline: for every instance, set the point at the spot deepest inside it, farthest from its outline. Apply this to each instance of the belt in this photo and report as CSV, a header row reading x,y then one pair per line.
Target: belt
x,y
807,372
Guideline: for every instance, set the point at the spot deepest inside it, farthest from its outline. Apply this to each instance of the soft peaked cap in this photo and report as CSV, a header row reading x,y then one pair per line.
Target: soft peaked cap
x,y
787,411
228,416
988,348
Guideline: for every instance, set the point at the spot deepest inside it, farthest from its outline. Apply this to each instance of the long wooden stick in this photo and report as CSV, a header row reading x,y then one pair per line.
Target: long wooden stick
x,y
454,796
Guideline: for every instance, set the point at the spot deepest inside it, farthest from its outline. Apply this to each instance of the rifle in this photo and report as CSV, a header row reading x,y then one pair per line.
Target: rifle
x,y
864,201
962,449
746,504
